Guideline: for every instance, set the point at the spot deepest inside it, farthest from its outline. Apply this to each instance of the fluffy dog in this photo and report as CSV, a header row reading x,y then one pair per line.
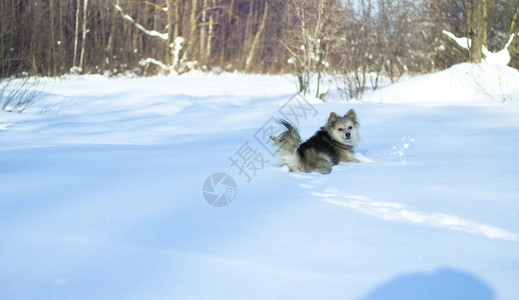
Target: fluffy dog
x,y
334,143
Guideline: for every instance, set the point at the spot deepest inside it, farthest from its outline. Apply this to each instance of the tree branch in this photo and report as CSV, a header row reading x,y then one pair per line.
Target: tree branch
x,y
154,33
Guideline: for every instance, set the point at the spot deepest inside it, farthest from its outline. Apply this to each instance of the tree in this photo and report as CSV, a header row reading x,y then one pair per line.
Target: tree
x,y
83,38
253,48
477,29
311,29
308,37
76,33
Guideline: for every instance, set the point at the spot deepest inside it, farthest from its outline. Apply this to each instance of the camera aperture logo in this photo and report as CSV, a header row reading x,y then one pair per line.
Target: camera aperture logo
x,y
219,189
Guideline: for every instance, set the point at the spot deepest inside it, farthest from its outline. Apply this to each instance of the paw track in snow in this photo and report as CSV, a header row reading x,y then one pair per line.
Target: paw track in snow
x,y
397,212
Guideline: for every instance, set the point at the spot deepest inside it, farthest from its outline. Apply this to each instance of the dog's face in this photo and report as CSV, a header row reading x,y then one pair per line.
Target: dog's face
x,y
344,130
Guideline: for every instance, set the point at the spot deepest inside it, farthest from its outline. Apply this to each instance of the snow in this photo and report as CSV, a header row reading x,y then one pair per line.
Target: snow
x,y
501,57
463,42
150,60
102,198
176,48
474,84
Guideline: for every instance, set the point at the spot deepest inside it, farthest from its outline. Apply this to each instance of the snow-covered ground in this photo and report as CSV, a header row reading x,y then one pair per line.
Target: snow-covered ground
x,y
101,192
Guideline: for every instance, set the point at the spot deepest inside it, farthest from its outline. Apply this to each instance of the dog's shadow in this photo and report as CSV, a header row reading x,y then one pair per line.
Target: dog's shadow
x,y
445,284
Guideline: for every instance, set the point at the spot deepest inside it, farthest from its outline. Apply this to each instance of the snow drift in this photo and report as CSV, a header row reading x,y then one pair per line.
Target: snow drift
x,y
102,193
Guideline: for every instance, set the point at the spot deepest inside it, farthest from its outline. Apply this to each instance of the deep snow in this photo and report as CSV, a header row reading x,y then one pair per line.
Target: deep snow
x,y
102,192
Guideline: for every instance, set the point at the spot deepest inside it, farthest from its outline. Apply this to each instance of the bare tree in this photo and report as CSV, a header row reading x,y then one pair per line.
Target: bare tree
x,y
254,46
310,38
309,33
83,37
76,33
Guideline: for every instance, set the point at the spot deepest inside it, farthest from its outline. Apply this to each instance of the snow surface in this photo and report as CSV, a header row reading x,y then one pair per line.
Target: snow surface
x,y
102,180
473,84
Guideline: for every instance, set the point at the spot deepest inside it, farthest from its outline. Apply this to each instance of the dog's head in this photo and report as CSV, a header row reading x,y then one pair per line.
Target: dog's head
x,y
344,130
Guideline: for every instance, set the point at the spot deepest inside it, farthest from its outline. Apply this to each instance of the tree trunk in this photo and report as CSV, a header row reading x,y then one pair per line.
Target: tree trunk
x,y
484,25
64,64
210,31
253,51
171,31
178,21
83,40
103,44
248,28
110,42
76,33
192,30
227,28
52,38
476,30
514,19
203,31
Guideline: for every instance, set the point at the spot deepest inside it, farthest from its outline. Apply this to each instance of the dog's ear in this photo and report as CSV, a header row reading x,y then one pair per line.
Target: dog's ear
x,y
351,114
333,118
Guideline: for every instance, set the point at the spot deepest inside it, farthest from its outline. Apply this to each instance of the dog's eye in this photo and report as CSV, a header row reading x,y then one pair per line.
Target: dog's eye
x,y
340,129
350,127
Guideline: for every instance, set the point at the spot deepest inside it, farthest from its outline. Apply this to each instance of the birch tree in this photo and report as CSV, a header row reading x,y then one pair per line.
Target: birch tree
x,y
76,33
253,52
83,38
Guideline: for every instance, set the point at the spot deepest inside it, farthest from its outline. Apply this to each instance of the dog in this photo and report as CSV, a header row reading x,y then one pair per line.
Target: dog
x,y
334,143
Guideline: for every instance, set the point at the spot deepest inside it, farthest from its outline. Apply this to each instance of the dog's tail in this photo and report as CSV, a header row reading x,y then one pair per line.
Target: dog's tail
x,y
288,142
